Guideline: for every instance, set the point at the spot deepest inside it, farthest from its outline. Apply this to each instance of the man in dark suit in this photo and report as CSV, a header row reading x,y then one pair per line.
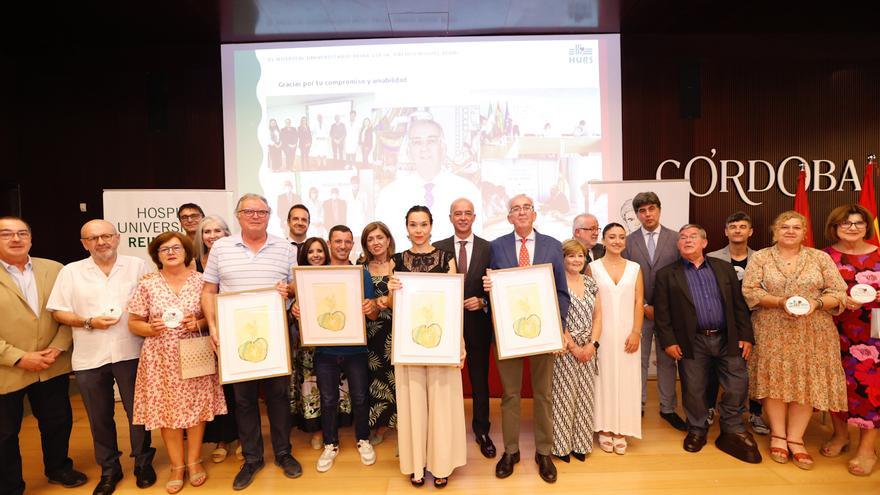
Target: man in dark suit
x,y
653,247
335,209
585,229
472,259
525,247
712,330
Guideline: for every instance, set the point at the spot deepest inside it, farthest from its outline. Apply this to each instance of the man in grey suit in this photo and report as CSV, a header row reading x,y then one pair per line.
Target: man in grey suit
x,y
653,247
738,229
472,259
585,229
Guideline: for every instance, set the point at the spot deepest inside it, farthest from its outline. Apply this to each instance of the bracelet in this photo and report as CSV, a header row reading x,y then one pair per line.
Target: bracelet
x,y
820,303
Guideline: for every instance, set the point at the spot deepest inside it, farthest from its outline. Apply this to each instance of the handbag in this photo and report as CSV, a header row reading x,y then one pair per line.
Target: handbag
x,y
197,357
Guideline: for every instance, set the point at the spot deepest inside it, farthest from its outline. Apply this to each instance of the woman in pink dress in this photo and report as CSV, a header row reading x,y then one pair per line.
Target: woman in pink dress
x,y
162,399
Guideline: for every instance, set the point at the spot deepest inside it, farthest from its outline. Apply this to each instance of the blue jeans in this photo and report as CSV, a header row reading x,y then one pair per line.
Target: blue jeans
x,y
327,370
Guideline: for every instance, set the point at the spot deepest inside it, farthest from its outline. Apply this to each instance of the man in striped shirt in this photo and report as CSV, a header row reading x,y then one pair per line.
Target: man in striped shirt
x,y
251,260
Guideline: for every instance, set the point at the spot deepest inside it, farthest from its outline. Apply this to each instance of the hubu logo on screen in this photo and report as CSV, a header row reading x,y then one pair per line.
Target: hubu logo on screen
x,y
580,54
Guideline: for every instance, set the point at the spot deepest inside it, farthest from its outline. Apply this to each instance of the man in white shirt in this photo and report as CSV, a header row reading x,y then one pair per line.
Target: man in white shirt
x,y
429,184
90,296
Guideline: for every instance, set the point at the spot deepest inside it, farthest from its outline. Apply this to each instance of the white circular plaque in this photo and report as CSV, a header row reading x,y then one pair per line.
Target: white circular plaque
x,y
863,293
172,317
797,305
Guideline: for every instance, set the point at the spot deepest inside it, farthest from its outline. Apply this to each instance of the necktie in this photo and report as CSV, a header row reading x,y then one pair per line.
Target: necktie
x,y
429,198
462,257
524,254
651,246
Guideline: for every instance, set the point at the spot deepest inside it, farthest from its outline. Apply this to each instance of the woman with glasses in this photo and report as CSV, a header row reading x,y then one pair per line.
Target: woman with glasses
x,y
794,368
165,309
849,227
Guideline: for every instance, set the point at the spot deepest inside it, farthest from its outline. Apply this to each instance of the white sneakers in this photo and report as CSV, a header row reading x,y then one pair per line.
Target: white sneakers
x,y
368,455
328,456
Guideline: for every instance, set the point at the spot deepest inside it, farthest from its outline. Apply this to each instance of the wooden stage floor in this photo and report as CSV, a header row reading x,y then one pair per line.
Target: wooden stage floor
x,y
657,464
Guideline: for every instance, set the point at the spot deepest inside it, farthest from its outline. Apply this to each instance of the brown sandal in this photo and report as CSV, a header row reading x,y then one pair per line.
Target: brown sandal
x,y
828,449
778,454
802,460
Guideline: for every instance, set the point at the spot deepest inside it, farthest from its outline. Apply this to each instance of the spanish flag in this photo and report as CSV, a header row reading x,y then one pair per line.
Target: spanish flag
x,y
867,198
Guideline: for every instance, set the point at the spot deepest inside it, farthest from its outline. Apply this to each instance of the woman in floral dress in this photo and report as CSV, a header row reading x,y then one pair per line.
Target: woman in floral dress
x,y
848,227
162,399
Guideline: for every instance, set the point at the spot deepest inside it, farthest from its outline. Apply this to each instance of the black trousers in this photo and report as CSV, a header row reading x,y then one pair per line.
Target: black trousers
x,y
477,343
223,428
96,388
711,352
247,415
712,395
50,403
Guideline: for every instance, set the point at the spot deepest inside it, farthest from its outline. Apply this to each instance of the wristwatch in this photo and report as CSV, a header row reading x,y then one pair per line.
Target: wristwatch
x,y
595,344
87,324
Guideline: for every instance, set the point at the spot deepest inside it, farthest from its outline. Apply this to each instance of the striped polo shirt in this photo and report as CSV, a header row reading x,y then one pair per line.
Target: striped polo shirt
x,y
235,267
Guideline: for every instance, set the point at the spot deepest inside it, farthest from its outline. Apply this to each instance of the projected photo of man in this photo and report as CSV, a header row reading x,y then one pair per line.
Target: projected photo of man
x,y
430,183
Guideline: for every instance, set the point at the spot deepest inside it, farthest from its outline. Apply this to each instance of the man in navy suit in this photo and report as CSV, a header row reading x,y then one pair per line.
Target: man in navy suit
x,y
525,247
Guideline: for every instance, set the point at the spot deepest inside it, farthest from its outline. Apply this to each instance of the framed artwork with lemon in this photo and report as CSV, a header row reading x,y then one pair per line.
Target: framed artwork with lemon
x,y
330,299
525,323
254,341
428,319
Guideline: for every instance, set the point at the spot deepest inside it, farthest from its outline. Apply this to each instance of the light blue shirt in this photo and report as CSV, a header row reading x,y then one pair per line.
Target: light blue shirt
x,y
27,283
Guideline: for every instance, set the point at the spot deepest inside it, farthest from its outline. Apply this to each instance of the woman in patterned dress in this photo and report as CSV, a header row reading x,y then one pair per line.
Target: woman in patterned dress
x,y
795,364
162,399
430,402
378,247
305,400
574,371
848,227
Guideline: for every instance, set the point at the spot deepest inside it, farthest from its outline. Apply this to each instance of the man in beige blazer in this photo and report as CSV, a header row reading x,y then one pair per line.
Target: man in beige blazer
x,y
34,361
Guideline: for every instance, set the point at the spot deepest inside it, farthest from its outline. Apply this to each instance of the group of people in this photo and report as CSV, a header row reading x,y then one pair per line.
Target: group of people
x,y
719,319
340,140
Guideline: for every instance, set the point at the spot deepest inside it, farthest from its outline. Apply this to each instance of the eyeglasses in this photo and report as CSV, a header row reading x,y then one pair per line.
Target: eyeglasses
x,y
521,208
255,213
171,249
103,237
194,216
9,234
857,225
588,229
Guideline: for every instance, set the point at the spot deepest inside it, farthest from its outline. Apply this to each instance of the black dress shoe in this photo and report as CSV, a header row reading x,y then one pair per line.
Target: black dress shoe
x,y
246,475
290,466
487,448
504,468
68,479
563,458
145,476
107,484
694,442
739,445
546,468
579,456
675,420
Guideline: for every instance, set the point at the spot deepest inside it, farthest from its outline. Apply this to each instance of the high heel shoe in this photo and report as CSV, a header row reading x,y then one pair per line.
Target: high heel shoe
x,y
564,458
620,445
861,465
828,449
605,443
778,454
441,482
174,486
802,460
197,479
579,456
416,482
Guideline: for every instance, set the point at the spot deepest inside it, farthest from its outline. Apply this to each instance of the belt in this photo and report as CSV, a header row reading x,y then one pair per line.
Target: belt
x,y
710,332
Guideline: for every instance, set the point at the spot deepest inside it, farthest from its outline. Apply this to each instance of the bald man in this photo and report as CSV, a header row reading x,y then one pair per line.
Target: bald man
x,y
90,296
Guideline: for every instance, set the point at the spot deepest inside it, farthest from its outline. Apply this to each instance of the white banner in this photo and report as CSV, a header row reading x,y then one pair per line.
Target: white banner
x,y
141,214
612,202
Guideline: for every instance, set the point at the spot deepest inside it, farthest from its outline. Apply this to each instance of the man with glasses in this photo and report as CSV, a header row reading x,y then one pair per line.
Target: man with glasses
x,y
254,259
190,215
585,229
710,333
738,229
526,247
90,296
34,362
653,247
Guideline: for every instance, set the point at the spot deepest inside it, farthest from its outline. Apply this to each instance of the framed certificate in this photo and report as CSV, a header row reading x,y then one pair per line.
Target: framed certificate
x,y
254,341
428,319
525,311
330,300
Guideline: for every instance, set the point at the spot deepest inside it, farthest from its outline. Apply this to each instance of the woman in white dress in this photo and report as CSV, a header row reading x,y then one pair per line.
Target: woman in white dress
x,y
618,408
